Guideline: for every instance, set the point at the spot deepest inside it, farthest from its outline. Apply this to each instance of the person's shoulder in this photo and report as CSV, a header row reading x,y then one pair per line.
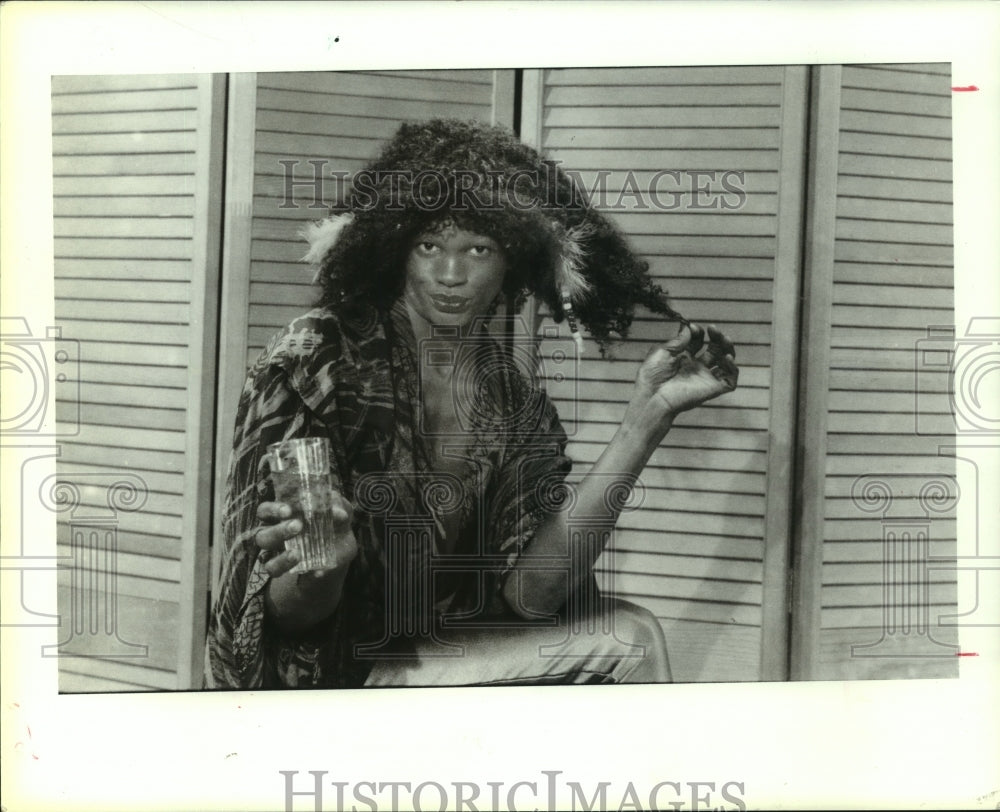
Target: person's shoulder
x,y
318,332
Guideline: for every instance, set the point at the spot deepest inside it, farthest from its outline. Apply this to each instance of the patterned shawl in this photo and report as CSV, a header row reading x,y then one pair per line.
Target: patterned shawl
x,y
354,379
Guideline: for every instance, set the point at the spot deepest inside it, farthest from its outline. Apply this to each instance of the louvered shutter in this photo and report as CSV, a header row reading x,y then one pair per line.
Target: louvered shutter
x,y
694,552
879,497
340,120
136,164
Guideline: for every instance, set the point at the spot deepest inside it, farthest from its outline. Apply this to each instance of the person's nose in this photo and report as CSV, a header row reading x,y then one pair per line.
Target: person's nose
x,y
452,271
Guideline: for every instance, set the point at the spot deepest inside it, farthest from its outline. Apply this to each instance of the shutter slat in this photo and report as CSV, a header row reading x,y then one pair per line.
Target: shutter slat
x,y
276,146
123,206
126,332
394,109
154,376
678,566
855,121
891,81
152,457
118,83
864,208
124,144
168,483
708,116
124,227
875,102
131,394
661,96
170,163
636,77
131,312
661,137
695,158
121,248
893,189
147,190
103,414
388,88
181,101
129,564
330,123
123,290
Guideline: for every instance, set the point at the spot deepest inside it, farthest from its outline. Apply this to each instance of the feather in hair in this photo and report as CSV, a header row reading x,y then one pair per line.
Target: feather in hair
x,y
569,276
570,281
322,236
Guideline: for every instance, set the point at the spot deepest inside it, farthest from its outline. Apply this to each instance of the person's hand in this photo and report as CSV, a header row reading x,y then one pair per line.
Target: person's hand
x,y
695,366
278,525
296,601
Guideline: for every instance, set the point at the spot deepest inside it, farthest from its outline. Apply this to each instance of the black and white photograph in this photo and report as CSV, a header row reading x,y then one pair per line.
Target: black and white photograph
x,y
538,381
800,216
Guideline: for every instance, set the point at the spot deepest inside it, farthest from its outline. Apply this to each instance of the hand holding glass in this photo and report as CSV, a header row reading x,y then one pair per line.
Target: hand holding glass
x,y
300,474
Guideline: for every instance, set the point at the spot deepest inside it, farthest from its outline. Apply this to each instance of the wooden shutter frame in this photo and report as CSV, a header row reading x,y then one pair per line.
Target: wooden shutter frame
x,y
200,427
778,516
814,370
241,132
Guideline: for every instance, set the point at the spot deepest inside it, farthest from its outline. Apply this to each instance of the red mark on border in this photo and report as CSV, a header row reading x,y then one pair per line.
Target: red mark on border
x,y
966,653
966,89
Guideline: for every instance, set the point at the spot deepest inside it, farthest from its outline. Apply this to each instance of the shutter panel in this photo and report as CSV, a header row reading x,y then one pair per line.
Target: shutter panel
x,y
341,119
883,497
133,163
694,552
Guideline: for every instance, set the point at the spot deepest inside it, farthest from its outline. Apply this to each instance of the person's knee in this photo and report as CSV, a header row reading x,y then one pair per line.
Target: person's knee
x,y
636,626
639,632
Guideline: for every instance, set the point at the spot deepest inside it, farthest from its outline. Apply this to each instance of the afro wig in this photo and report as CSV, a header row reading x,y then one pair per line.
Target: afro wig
x,y
484,180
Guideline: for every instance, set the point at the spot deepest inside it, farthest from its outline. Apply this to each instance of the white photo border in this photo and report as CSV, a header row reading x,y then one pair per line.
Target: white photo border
x,y
791,745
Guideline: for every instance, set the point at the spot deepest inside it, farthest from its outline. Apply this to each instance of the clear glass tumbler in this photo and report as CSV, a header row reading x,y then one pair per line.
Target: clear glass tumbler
x,y
300,473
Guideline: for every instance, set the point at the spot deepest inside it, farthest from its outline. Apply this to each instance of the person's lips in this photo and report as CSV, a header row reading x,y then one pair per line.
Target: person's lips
x,y
450,304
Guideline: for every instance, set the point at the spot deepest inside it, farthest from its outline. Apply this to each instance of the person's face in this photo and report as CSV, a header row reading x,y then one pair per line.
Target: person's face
x,y
452,276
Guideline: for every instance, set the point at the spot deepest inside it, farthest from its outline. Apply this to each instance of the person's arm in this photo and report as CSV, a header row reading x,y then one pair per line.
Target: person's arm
x,y
694,367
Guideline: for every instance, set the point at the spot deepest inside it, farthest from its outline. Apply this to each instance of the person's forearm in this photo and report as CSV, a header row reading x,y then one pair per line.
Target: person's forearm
x,y
533,589
294,605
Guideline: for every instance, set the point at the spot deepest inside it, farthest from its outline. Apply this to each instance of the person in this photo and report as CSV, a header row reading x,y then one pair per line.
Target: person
x,y
462,555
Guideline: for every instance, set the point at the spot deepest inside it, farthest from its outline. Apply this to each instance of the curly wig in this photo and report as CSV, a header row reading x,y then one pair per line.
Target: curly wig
x,y
483,179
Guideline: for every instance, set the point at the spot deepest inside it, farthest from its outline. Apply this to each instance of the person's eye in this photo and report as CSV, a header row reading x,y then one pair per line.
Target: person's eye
x,y
481,250
425,246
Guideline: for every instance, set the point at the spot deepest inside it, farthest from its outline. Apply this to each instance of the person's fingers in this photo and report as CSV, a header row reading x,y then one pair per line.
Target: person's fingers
x,y
727,371
280,564
719,339
272,537
680,341
697,339
270,512
343,512
690,338
716,348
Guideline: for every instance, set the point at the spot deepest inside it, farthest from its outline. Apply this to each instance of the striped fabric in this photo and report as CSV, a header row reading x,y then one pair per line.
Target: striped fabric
x,y
355,380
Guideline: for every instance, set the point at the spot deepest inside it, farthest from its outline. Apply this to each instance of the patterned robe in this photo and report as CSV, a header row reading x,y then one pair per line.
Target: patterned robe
x,y
354,379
